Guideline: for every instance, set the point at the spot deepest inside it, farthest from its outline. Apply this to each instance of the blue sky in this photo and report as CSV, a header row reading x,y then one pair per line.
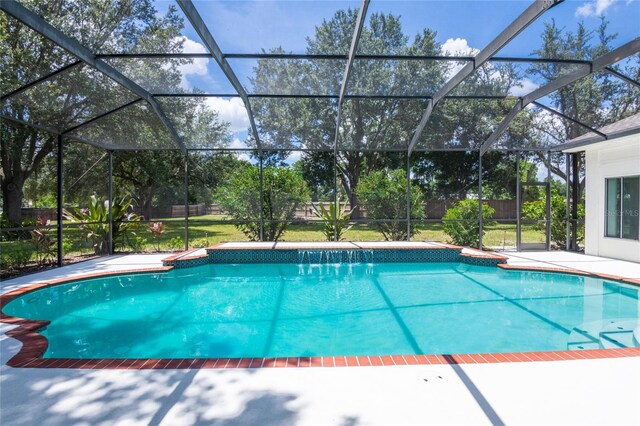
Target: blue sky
x,y
246,27
461,26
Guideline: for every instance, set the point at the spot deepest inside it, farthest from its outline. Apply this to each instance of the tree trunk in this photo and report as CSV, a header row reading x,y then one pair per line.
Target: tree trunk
x,y
12,196
350,176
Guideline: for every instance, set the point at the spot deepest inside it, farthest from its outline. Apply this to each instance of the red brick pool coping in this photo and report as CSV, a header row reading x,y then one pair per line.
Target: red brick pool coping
x,y
34,345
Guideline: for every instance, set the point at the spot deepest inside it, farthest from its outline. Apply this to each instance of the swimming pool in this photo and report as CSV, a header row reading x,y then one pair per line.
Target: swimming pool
x,y
306,310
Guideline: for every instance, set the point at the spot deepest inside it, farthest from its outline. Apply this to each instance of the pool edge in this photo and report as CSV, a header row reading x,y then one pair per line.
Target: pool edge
x,y
34,345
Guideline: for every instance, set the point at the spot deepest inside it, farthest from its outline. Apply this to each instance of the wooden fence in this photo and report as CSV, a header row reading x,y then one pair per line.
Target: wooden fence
x,y
435,209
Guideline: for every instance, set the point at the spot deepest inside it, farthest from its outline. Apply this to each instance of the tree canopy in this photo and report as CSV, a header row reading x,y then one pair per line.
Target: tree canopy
x,y
81,93
374,130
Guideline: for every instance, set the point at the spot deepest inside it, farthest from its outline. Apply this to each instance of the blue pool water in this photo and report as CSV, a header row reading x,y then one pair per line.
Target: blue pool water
x,y
269,310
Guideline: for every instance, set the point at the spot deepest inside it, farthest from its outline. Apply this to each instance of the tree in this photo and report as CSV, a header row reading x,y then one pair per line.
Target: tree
x,y
75,95
207,170
595,100
283,191
384,197
81,93
85,173
447,175
367,124
317,170
144,175
369,127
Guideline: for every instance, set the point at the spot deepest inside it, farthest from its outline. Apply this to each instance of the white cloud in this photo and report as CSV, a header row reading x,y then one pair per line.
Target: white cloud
x,y
524,87
594,8
294,156
198,66
458,46
231,110
238,144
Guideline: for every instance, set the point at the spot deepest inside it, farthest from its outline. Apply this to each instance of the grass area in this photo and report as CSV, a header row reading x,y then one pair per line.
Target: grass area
x,y
204,231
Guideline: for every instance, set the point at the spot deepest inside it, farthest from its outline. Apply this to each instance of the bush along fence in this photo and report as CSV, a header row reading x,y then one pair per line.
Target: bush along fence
x,y
434,209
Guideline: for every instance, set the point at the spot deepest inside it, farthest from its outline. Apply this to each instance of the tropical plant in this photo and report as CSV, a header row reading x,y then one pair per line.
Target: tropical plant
x,y
283,190
157,230
383,195
94,222
335,219
45,246
461,223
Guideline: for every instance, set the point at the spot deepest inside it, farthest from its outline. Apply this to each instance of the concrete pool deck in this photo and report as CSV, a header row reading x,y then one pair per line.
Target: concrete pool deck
x,y
597,391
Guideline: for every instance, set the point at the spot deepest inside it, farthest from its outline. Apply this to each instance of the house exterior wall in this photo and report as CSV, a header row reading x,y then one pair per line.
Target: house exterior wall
x,y
615,158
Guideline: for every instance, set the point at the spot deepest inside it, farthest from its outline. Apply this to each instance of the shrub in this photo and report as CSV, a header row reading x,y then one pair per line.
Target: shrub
x,y
176,243
16,254
283,190
383,194
461,222
137,243
536,210
67,247
14,235
334,220
200,242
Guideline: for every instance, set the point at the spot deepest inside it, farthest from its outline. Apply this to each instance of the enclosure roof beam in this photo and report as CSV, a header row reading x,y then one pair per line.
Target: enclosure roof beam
x,y
362,13
573,120
103,115
307,56
530,14
622,76
298,96
28,124
54,132
40,80
38,24
598,64
205,35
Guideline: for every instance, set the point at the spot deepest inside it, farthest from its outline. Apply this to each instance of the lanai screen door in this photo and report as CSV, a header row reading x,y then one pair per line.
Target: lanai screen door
x,y
534,233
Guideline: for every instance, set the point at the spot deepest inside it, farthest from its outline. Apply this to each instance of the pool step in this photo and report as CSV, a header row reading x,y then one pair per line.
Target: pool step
x,y
614,334
618,334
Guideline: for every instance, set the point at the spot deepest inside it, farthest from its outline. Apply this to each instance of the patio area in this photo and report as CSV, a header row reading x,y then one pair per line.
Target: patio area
x,y
150,136
556,392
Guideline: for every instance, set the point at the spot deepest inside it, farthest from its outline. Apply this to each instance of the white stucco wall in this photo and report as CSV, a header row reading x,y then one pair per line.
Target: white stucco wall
x,y
613,158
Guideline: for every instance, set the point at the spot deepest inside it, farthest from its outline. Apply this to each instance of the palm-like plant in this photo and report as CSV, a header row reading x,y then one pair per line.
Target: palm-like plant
x,y
94,221
335,219
44,244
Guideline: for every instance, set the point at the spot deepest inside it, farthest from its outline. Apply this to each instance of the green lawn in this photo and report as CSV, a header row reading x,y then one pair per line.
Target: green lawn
x,y
204,231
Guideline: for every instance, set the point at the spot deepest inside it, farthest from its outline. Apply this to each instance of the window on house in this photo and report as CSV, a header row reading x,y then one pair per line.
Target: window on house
x,y
622,215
